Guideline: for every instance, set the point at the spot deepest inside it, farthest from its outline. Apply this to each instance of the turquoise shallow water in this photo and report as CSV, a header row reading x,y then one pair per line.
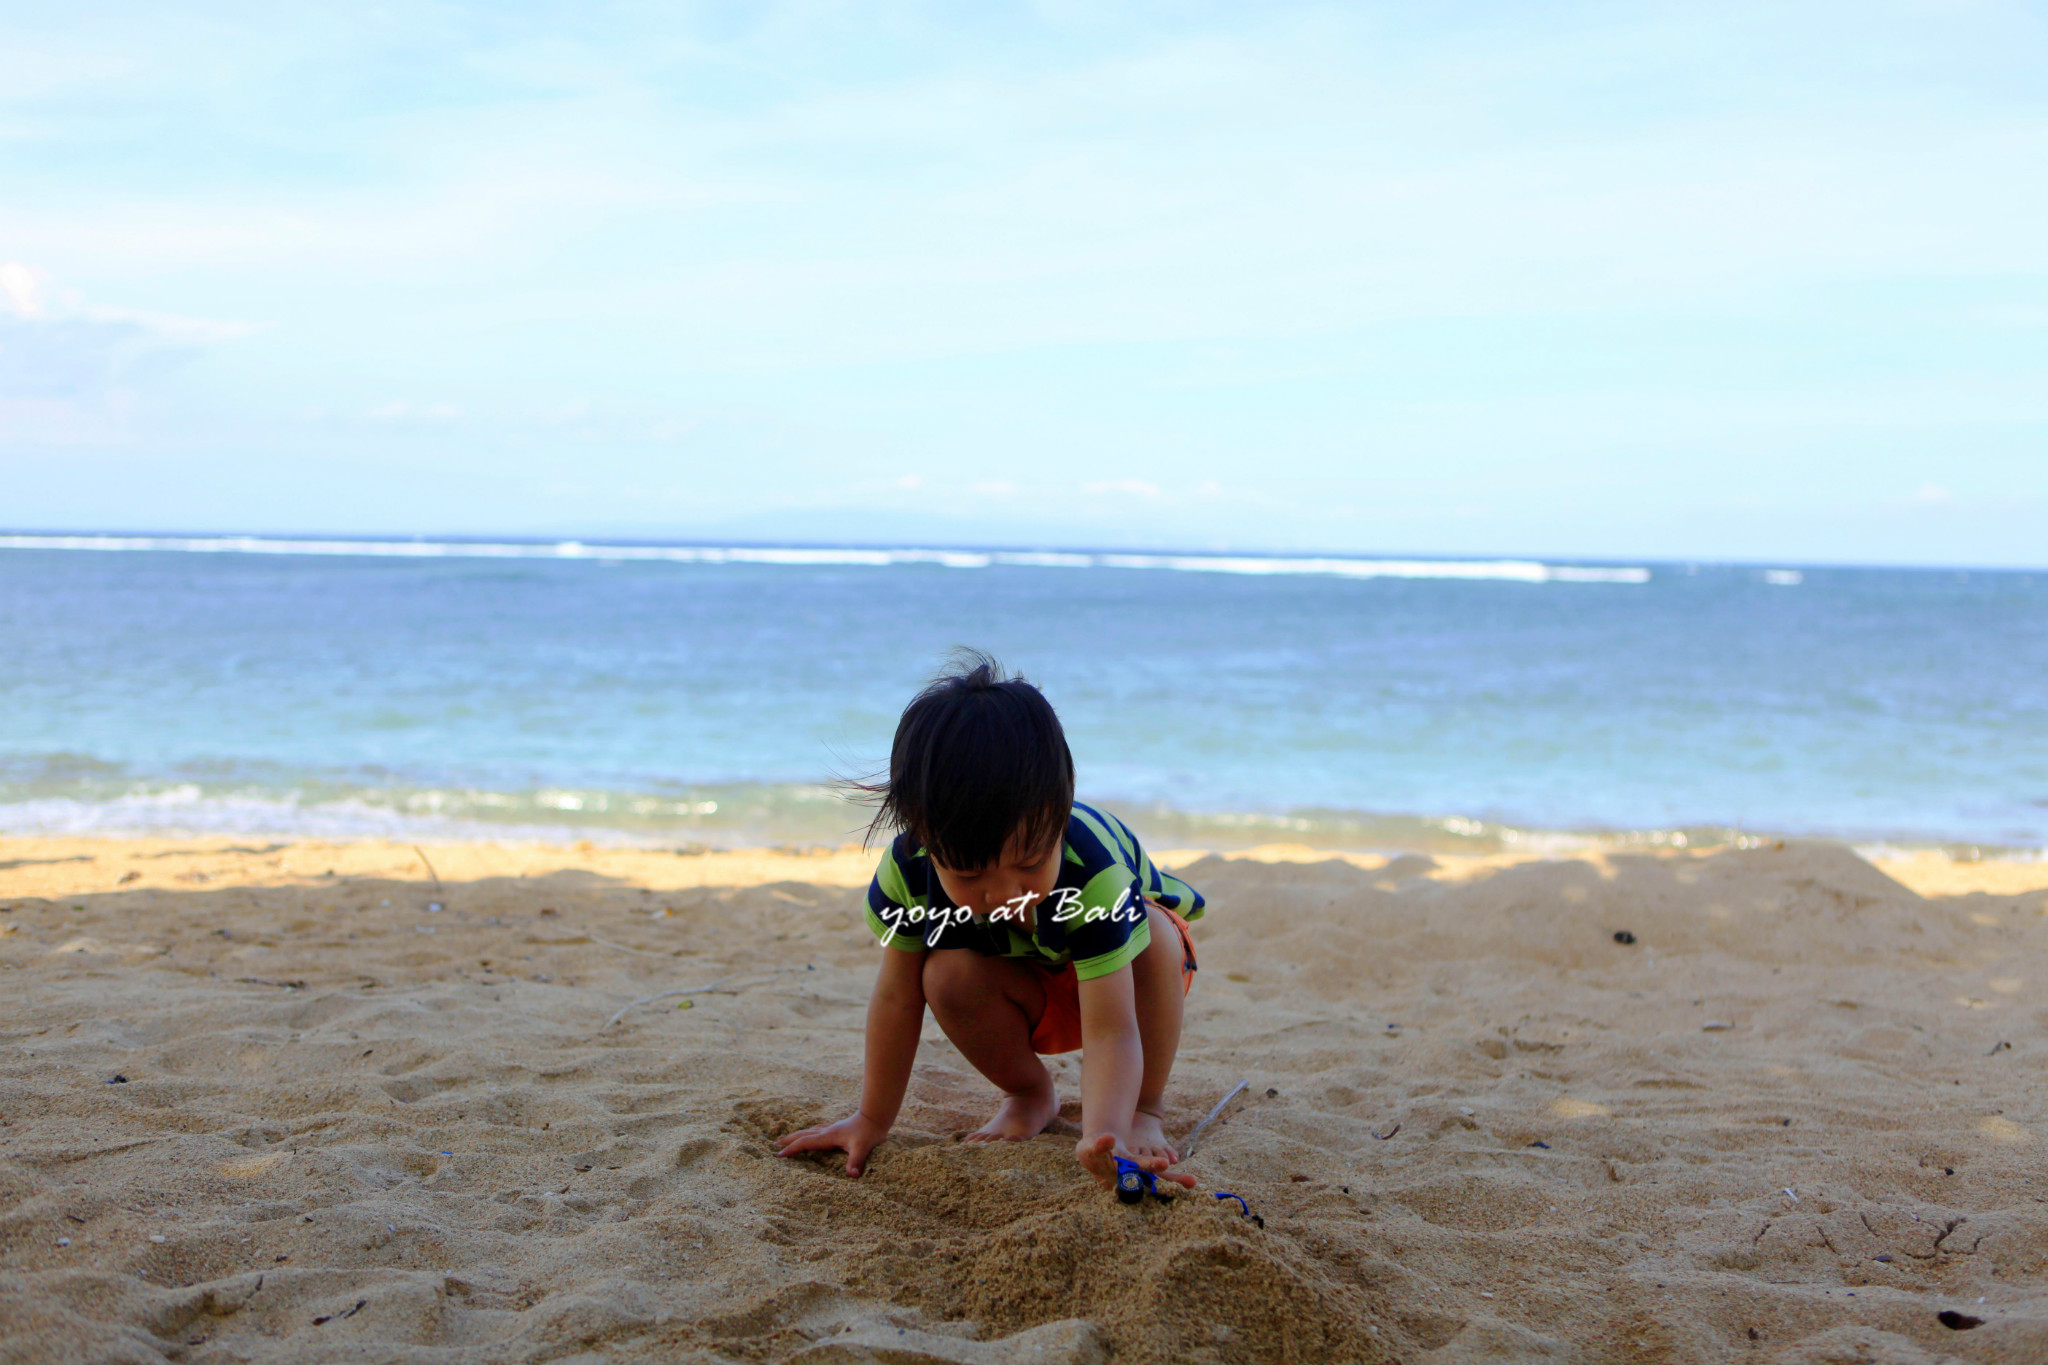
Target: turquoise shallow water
x,y
676,696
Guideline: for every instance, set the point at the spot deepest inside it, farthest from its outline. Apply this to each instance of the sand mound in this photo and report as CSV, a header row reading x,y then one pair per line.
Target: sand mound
x,y
250,1111
1010,1240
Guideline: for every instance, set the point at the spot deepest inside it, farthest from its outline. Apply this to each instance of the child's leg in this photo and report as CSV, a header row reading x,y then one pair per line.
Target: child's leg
x,y
988,1006
1158,992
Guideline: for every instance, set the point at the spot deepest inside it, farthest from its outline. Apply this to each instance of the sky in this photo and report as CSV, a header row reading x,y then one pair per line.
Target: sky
x,y
1605,281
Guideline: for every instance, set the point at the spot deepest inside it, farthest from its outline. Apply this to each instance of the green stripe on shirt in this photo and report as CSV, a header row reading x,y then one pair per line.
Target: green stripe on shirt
x,y
1087,969
893,936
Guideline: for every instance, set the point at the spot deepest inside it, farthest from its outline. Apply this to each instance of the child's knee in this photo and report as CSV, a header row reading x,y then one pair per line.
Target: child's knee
x,y
950,979
1158,968
1164,952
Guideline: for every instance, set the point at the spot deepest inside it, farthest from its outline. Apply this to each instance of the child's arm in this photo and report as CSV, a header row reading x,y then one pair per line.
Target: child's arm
x,y
895,1019
1112,1071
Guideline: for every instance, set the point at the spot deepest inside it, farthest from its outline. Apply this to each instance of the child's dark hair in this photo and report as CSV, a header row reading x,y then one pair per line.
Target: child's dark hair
x,y
978,757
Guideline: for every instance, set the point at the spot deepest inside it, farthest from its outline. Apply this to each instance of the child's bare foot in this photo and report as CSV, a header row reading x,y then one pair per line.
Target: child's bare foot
x,y
1148,1139
1022,1115
1098,1155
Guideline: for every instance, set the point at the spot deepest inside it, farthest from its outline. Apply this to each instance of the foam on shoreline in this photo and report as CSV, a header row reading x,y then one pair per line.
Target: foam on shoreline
x,y
777,815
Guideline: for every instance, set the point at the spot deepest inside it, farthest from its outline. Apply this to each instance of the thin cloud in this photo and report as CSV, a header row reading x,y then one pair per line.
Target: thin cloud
x,y
54,346
402,410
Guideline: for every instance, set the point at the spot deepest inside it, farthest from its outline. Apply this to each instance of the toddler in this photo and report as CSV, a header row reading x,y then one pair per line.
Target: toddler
x,y
1029,923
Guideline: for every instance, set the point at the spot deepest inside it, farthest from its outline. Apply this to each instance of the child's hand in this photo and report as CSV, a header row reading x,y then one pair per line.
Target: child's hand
x,y
856,1136
1098,1155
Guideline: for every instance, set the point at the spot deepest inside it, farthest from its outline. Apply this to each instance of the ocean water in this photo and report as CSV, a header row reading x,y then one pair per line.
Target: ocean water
x,y
705,695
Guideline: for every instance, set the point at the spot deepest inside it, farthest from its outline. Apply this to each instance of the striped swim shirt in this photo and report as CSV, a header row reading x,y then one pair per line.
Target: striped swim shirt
x,y
1094,918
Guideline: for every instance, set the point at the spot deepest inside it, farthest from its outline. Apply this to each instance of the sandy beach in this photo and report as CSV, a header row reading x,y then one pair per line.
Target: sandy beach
x,y
265,1102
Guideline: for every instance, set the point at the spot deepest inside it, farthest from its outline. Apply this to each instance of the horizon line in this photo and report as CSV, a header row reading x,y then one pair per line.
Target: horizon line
x,y
814,554
523,545
952,554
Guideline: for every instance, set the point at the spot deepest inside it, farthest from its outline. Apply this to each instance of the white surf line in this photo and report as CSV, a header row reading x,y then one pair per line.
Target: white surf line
x,y
1338,566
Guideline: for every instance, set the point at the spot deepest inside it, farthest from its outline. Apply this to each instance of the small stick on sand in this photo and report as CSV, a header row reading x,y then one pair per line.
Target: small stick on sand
x,y
606,943
721,984
431,873
1241,1085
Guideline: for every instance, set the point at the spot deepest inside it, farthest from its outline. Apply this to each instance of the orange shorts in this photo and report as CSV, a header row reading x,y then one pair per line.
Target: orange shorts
x,y
1059,1028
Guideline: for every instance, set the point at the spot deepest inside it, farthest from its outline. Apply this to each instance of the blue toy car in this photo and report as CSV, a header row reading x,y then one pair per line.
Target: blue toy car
x,y
1134,1182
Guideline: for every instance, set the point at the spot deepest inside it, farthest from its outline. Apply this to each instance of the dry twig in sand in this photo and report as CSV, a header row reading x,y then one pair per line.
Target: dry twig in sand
x,y
443,895
1212,1115
722,984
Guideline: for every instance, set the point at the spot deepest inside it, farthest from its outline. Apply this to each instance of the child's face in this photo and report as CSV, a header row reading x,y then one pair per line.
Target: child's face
x,y
997,888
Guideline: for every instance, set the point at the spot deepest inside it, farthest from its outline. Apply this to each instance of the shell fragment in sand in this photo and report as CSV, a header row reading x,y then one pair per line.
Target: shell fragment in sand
x,y
1716,1026
2004,1130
